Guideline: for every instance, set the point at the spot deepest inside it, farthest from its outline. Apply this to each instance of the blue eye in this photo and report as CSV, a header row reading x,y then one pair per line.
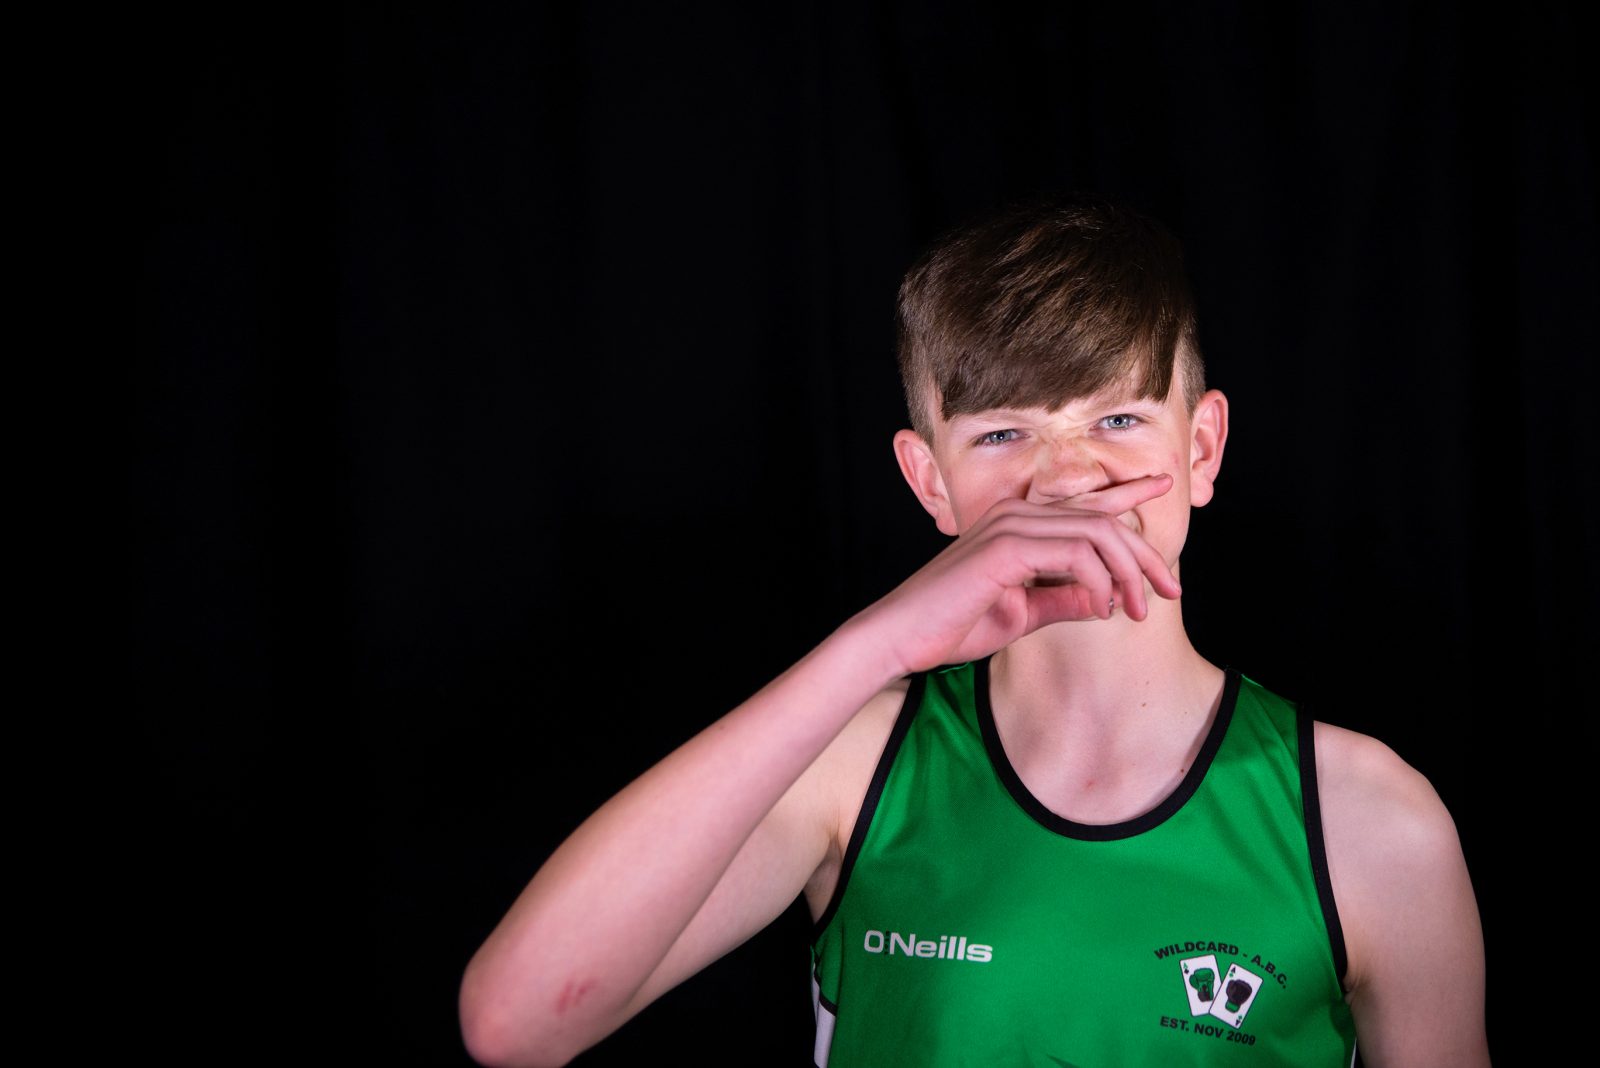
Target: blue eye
x,y
989,438
1123,421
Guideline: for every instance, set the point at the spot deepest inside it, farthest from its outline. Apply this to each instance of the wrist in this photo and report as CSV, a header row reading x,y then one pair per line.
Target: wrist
x,y
864,644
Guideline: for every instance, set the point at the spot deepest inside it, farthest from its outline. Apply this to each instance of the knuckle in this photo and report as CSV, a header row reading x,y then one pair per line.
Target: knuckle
x,y
1005,539
1005,522
1102,524
1006,543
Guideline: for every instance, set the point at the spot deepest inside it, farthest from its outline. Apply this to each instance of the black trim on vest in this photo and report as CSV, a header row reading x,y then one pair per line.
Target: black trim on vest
x,y
869,805
1305,731
1100,832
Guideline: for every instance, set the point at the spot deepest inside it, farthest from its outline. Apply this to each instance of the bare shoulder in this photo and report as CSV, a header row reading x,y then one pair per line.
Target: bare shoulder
x,y
841,777
1366,788
1389,838
1405,901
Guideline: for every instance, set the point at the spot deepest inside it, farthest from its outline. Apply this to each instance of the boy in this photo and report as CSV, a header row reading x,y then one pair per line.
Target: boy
x,y
1033,823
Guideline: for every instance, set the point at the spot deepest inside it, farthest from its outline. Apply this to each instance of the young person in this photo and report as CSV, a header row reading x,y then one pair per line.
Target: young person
x,y
1034,824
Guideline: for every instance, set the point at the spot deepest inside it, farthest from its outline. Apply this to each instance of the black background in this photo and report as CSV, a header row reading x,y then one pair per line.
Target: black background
x,y
510,394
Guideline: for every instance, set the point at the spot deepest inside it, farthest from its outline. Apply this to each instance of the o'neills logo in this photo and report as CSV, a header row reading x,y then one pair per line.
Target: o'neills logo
x,y
949,947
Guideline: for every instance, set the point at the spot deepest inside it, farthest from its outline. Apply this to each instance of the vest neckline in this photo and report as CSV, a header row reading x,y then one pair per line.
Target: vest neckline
x,y
1100,832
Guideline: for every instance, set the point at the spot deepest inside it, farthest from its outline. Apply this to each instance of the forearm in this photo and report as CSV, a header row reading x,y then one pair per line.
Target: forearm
x,y
562,968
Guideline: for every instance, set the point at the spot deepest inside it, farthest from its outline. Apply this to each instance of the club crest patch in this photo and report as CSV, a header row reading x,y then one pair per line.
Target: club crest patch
x,y
1212,992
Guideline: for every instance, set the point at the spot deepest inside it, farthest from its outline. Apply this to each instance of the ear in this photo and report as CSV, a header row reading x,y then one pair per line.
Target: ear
x,y
1208,433
922,473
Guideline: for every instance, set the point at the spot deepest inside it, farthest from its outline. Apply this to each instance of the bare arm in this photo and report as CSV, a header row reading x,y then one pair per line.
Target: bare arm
x,y
1415,946
715,841
571,960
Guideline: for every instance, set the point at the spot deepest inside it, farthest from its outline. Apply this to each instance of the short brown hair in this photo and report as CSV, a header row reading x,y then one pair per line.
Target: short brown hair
x,y
1045,303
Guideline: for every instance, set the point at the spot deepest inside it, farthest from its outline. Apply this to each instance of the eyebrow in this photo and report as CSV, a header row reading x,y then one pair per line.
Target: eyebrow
x,y
993,413
1124,400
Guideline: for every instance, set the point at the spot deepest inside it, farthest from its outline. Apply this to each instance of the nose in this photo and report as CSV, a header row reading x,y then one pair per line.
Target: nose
x,y
1065,469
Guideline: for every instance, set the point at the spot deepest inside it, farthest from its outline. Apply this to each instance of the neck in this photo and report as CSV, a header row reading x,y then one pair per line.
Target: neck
x,y
1101,718
1104,669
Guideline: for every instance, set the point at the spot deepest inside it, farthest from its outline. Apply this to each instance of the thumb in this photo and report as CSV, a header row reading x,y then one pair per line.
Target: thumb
x,y
1059,604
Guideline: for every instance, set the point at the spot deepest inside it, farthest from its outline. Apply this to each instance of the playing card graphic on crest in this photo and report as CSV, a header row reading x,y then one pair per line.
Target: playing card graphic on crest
x,y
1200,983
1235,995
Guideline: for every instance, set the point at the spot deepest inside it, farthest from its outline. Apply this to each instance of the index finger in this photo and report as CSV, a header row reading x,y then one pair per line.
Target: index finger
x,y
1114,500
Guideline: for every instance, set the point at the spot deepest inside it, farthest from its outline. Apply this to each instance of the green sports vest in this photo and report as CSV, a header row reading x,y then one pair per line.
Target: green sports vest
x,y
973,926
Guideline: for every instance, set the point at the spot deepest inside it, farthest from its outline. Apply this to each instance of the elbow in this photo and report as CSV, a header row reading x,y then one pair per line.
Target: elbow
x,y
496,1035
494,1046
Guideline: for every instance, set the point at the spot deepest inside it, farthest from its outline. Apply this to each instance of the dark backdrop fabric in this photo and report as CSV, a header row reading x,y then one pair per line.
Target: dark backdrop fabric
x,y
511,392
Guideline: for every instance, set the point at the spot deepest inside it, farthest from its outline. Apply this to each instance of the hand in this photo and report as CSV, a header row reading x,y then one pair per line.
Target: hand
x,y
980,594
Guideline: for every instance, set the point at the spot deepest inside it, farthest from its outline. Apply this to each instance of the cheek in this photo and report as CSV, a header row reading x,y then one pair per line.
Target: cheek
x,y
967,510
976,498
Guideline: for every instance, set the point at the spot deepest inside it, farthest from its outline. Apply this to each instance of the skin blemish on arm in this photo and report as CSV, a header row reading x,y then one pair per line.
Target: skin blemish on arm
x,y
572,993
